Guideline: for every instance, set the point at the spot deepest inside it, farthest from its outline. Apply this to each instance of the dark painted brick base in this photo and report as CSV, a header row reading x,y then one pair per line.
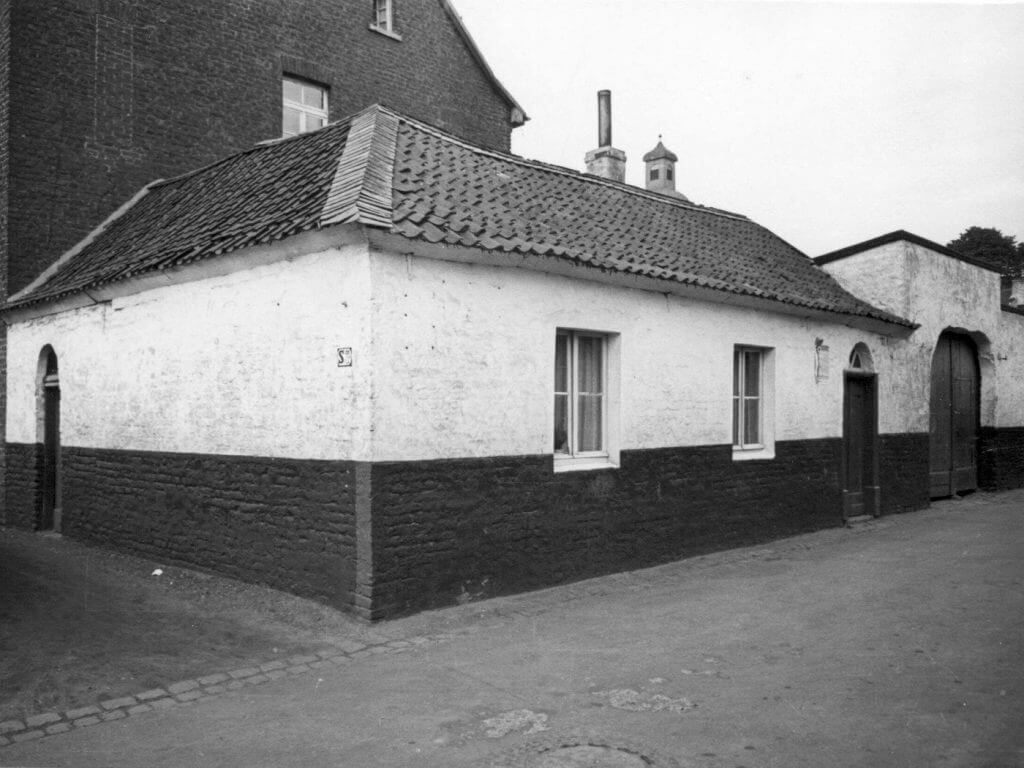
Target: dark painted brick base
x,y
285,523
903,469
24,467
445,531
433,533
1001,458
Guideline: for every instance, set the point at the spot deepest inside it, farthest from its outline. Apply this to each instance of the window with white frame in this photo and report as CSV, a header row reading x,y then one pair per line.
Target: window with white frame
x,y
748,398
383,18
581,386
304,106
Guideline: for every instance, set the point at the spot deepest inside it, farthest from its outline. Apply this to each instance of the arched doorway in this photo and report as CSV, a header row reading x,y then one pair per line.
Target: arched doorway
x,y
953,432
861,493
49,482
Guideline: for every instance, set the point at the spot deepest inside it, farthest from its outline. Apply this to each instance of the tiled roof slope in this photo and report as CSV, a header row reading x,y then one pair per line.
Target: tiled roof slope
x,y
447,191
442,190
263,194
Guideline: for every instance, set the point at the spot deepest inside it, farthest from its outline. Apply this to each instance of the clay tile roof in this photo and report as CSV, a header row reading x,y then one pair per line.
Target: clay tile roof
x,y
266,193
504,202
383,170
660,152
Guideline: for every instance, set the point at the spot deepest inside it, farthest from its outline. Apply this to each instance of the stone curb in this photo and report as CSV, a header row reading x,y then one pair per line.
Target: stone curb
x,y
185,692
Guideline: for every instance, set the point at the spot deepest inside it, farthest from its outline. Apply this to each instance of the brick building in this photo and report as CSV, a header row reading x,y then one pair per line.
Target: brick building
x,y
100,97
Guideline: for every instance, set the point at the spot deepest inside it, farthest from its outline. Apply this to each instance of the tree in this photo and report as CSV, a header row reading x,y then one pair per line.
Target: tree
x,y
991,247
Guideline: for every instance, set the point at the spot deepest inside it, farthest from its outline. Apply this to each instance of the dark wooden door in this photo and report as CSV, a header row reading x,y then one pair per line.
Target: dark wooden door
x,y
954,417
860,488
51,456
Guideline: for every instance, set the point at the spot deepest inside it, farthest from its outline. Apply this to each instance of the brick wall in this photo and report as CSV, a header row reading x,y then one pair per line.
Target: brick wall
x,y
285,523
152,89
1001,458
451,530
21,492
5,51
903,466
439,532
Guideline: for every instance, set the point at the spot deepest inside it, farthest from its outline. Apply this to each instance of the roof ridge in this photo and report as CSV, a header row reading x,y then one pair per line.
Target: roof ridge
x,y
894,237
259,146
540,164
361,188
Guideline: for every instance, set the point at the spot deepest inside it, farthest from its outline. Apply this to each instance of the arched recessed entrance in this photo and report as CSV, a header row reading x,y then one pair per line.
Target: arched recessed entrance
x,y
953,431
861,493
49,406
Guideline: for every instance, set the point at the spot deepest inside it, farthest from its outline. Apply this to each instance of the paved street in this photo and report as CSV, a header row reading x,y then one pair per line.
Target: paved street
x,y
897,644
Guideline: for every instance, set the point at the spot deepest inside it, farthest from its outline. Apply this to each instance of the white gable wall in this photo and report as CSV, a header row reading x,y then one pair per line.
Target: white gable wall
x,y
242,364
1010,371
465,355
939,292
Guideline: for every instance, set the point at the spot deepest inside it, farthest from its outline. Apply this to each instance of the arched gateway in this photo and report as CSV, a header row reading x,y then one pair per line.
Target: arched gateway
x,y
954,416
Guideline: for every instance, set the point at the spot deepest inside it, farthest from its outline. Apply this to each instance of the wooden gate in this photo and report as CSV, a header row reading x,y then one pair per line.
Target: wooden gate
x,y
954,416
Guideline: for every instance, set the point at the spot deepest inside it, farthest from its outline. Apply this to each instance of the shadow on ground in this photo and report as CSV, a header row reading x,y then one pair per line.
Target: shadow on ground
x,y
79,624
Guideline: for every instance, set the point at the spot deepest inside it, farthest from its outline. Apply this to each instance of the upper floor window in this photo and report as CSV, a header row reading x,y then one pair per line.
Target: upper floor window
x,y
383,18
304,106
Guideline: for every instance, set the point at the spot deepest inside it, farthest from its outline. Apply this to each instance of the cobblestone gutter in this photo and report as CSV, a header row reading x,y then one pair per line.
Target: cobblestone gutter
x,y
186,692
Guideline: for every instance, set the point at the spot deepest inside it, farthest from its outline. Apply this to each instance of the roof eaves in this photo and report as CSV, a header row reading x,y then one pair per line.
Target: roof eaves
x,y
361,189
864,316
519,115
868,311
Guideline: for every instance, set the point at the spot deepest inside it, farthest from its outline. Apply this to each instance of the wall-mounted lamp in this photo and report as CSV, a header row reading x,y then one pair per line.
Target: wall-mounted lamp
x,y
820,360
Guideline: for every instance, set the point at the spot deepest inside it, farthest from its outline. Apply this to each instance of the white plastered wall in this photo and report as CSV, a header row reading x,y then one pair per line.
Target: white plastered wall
x,y
466,361
938,292
1010,371
456,360
243,363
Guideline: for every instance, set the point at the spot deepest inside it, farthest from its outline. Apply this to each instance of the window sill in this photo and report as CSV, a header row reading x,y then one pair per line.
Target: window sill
x,y
385,32
751,454
580,464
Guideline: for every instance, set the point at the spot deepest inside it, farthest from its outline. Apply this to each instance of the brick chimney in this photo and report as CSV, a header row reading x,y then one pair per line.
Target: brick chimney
x,y
606,161
660,171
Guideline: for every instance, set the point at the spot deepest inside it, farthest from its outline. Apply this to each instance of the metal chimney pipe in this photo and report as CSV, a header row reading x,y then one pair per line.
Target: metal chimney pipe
x,y
604,118
606,161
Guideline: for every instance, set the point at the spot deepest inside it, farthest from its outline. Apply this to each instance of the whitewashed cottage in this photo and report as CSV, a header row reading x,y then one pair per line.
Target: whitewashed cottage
x,y
383,367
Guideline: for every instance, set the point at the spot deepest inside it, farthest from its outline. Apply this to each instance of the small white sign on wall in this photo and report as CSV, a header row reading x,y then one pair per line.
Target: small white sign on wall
x,y
344,357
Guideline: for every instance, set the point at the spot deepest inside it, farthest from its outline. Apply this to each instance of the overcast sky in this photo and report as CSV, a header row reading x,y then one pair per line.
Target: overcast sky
x,y
829,123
